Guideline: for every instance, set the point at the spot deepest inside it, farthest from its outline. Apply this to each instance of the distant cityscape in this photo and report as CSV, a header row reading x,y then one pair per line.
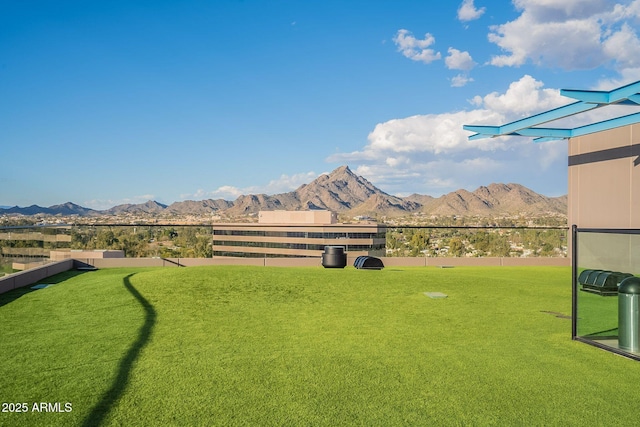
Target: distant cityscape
x,y
518,223
28,246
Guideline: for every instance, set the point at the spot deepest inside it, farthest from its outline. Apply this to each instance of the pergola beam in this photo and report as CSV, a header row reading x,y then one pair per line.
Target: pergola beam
x,y
603,97
587,100
528,122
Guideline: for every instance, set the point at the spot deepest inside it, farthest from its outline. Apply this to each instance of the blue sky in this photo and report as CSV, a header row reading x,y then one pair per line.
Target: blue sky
x,y
109,102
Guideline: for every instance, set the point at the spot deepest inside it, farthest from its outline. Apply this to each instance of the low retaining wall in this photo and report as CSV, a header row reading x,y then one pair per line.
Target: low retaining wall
x,y
316,262
31,276
482,261
192,262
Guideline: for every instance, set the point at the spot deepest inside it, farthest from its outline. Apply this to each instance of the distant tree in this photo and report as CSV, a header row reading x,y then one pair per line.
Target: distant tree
x,y
106,239
547,249
499,245
419,240
456,247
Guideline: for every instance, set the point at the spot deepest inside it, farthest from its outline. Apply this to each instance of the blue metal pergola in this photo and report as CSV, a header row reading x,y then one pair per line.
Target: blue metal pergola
x,y
587,100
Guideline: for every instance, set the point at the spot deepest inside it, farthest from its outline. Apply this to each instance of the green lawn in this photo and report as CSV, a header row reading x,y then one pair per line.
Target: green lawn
x,y
266,346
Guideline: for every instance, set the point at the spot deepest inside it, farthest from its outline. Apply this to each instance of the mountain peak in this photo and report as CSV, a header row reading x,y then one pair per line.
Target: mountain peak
x,y
340,190
151,206
342,170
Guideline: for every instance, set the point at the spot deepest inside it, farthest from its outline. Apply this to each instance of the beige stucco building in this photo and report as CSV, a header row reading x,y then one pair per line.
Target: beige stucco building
x,y
297,234
604,193
604,179
33,242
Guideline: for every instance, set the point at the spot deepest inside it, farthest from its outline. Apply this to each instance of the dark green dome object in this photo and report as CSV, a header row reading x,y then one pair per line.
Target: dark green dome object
x,y
630,285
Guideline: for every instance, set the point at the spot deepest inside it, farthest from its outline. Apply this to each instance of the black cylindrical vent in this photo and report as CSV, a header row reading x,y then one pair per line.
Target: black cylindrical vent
x,y
334,257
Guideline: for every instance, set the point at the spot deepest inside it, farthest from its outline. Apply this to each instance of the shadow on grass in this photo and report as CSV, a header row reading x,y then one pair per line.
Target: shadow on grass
x,y
111,396
12,295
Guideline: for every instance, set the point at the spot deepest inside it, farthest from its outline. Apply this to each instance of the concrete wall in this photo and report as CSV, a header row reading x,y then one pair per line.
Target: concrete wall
x,y
27,265
57,255
482,261
316,262
29,277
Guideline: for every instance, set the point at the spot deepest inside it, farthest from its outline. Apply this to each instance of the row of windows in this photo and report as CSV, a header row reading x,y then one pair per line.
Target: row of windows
x,y
297,246
299,234
264,244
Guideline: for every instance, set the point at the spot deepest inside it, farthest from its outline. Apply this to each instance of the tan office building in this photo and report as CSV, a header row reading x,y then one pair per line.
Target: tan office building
x,y
297,234
34,241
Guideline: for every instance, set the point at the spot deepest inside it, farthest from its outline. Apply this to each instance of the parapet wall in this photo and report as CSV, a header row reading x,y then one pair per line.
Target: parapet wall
x,y
31,276
316,262
75,254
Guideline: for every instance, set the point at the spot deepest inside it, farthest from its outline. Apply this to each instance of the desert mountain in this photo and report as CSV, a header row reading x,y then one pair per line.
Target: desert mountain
x,y
199,207
385,204
343,191
63,209
496,199
260,202
148,207
340,190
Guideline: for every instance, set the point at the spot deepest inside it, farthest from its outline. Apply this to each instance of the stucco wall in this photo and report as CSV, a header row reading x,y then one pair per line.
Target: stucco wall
x,y
29,277
604,181
316,262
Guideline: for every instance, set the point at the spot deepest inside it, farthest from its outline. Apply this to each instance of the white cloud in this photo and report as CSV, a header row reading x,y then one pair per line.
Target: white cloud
x,y
468,12
458,60
550,152
288,183
624,47
628,75
432,154
460,80
435,133
396,161
443,133
224,192
432,133
523,97
419,50
416,49
572,34
283,184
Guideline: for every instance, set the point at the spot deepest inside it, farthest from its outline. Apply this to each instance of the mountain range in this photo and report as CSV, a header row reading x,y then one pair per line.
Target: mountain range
x,y
341,191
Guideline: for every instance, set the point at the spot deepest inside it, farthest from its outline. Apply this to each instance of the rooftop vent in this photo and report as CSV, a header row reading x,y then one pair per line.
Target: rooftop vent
x,y
334,257
601,282
368,263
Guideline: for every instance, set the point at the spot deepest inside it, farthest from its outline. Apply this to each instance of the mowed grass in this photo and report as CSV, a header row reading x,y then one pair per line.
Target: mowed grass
x,y
261,346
